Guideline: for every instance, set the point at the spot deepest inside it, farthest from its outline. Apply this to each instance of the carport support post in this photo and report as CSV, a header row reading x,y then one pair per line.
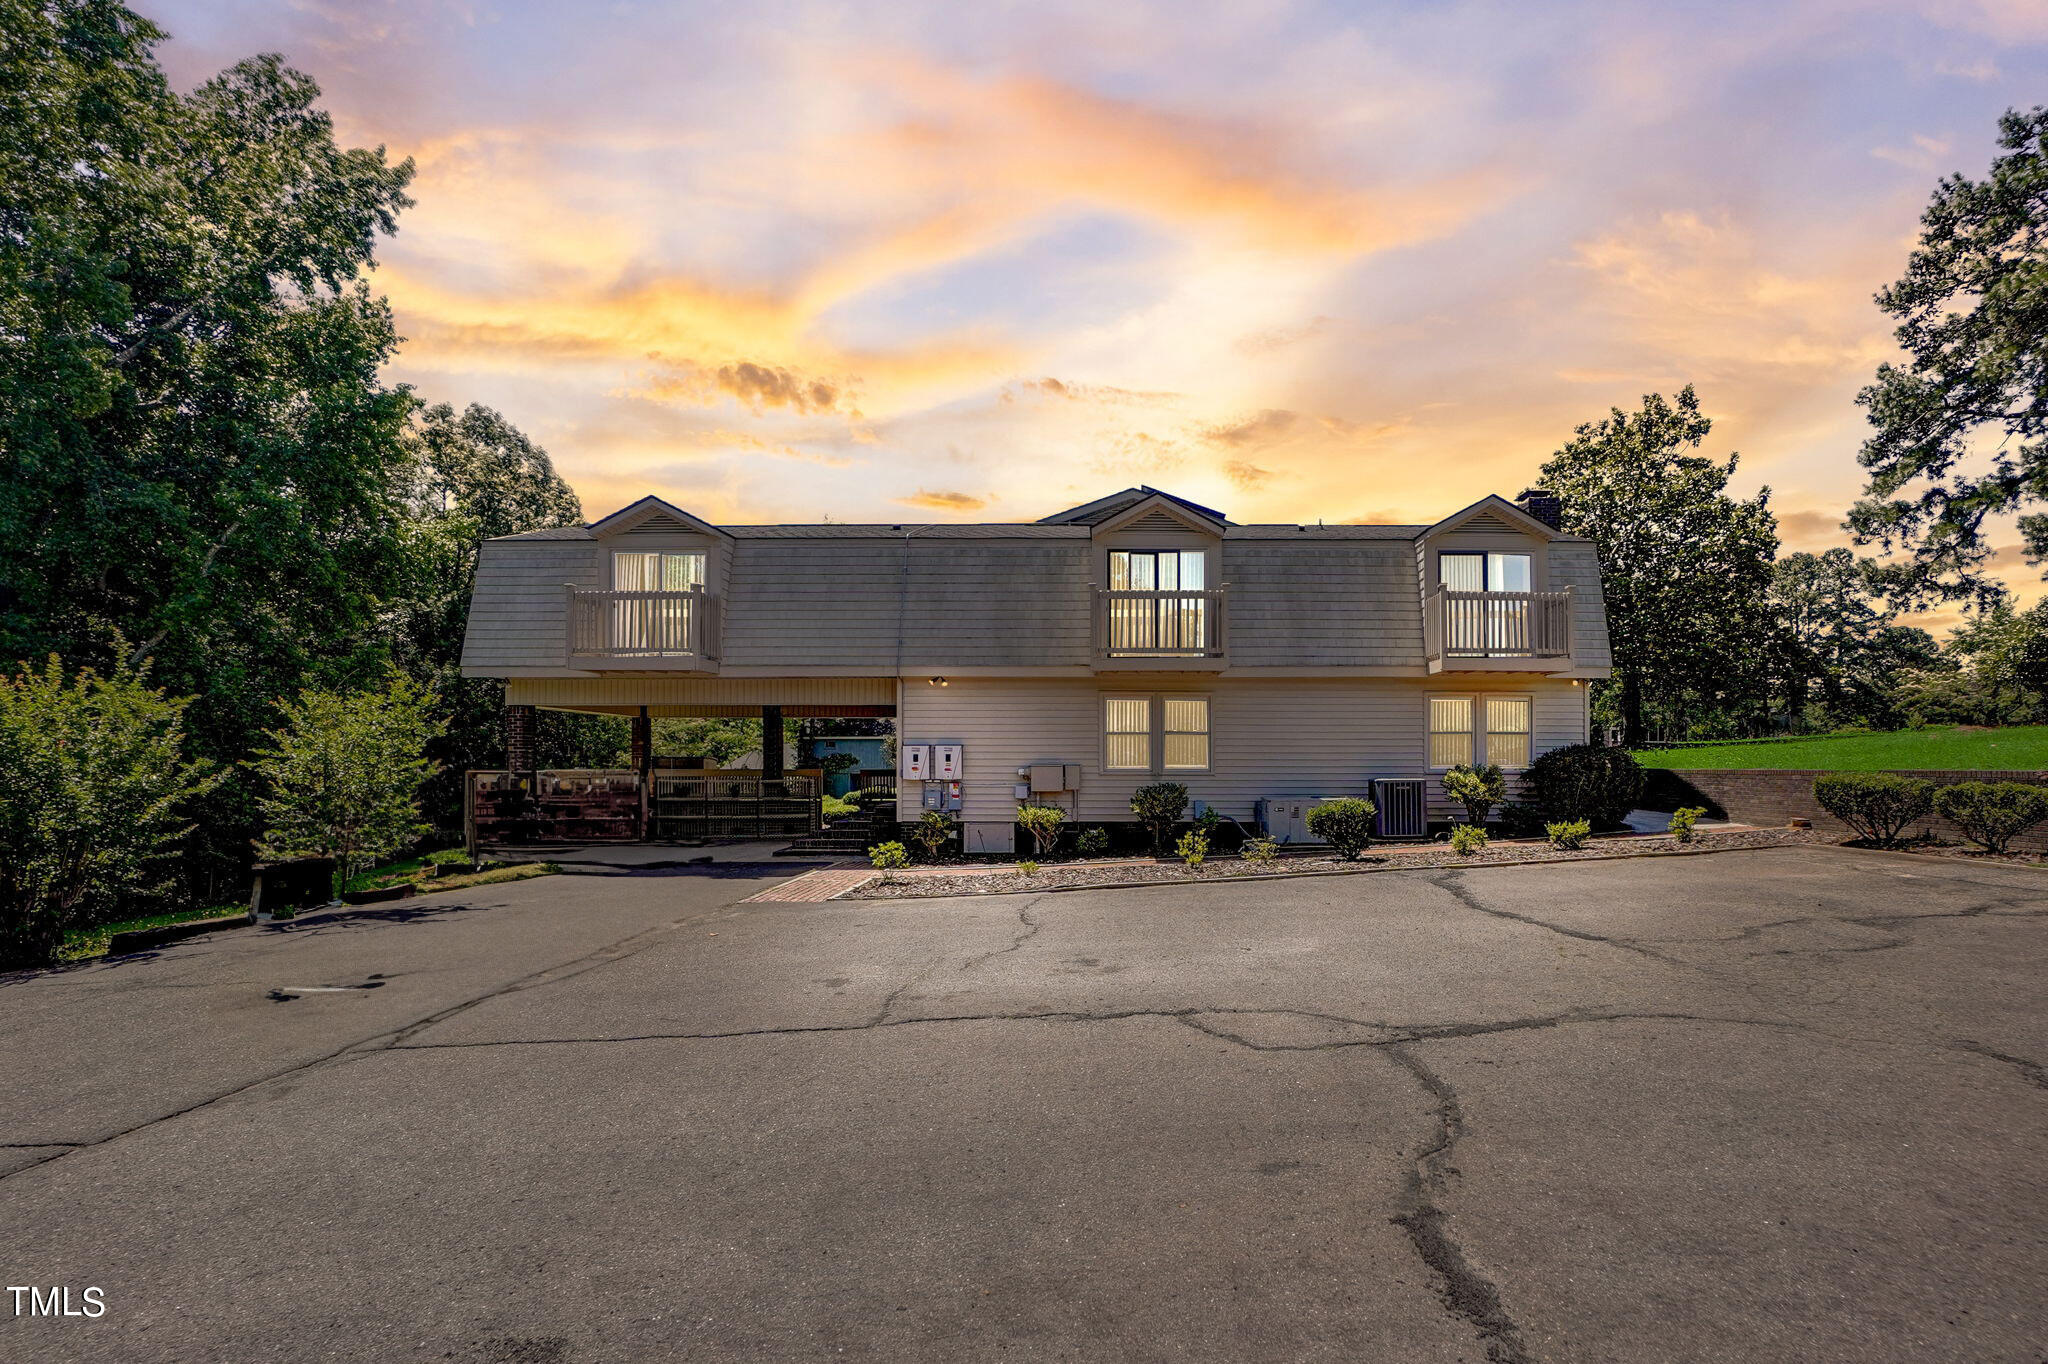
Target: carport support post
x,y
771,743
519,742
643,763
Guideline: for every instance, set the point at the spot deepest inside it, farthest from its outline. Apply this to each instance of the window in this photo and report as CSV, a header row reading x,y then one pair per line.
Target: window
x,y
1488,625
1127,734
1184,722
1458,723
1161,732
1450,731
1471,571
1507,731
1158,570
656,571
1171,617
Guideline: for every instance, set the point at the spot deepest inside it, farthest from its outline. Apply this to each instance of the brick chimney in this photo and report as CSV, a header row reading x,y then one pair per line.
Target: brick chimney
x,y
1545,505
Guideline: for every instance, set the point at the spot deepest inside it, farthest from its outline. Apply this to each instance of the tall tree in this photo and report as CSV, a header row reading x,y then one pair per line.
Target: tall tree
x,y
1961,427
1840,638
1685,567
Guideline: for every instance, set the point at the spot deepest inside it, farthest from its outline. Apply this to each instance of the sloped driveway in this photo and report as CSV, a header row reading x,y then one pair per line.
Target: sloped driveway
x,y
1776,1105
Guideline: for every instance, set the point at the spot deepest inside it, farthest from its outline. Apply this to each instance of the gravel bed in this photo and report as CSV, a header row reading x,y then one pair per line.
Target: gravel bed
x,y
1005,882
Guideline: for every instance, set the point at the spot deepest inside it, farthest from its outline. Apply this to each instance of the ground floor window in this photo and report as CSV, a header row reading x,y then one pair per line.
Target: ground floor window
x,y
1479,729
1160,732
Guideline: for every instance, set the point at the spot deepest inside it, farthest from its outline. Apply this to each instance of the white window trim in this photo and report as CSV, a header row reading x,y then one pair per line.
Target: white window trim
x,y
1155,712
1478,700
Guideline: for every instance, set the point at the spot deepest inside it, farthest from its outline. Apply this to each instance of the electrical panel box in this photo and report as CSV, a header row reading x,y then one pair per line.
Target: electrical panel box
x,y
946,760
916,762
1047,777
1073,771
941,795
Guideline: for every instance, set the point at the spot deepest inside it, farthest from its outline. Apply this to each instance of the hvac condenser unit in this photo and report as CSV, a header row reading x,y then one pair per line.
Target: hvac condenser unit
x,y
1285,818
1401,807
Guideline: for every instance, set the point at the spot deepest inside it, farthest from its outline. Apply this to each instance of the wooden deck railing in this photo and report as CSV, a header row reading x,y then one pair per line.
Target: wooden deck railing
x,y
1498,624
655,625
613,805
1169,624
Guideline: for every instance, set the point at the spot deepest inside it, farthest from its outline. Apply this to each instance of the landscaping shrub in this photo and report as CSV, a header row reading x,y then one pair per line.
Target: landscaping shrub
x,y
832,807
92,780
1877,805
933,830
1682,821
1595,782
1192,848
1159,807
1092,841
1345,825
1043,823
1260,850
872,795
1519,820
1569,835
1478,789
1467,839
888,857
1992,813
1027,867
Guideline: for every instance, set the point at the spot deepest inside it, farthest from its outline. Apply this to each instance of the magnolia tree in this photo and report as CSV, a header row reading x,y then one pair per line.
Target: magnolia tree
x,y
93,778
342,778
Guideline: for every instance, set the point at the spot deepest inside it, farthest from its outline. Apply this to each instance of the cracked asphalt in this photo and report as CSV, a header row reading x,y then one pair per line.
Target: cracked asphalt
x,y
1776,1105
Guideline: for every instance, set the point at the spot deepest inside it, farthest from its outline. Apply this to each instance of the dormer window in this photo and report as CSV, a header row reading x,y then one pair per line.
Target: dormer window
x,y
1473,571
1158,570
656,571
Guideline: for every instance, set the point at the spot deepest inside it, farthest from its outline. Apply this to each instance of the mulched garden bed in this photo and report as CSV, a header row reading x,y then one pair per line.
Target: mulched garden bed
x,y
1964,851
1006,882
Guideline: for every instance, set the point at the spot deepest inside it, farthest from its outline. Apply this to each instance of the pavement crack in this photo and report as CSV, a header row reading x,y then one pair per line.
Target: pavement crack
x,y
1030,927
1466,1291
1452,883
2036,1074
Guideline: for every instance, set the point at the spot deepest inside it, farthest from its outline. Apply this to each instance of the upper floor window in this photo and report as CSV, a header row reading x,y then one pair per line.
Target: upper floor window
x,y
656,571
1463,570
1158,570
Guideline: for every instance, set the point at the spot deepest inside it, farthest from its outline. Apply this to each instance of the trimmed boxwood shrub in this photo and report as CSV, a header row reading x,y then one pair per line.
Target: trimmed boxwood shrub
x,y
1992,814
1345,825
1595,782
1569,835
1877,805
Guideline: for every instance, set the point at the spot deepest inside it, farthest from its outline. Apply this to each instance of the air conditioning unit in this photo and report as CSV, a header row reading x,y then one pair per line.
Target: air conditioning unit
x,y
1402,805
1285,818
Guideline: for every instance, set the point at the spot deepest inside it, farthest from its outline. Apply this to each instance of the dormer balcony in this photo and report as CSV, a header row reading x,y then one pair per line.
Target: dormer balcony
x,y
1182,628
643,630
1497,631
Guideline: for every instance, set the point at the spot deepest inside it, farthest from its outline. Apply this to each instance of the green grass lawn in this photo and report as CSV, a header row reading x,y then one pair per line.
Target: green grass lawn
x,y
382,877
2016,748
82,943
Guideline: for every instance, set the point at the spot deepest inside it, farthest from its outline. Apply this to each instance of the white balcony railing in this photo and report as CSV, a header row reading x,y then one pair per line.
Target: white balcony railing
x,y
1170,624
655,626
1498,624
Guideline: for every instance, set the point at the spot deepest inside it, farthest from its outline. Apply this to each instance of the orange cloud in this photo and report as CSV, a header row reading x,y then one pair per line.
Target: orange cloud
x,y
944,501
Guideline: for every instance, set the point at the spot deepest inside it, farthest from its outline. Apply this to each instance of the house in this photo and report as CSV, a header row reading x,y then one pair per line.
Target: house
x,y
870,754
1137,638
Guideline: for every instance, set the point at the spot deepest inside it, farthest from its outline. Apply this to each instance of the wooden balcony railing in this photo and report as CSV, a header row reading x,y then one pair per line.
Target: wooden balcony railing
x,y
654,626
1170,624
1497,624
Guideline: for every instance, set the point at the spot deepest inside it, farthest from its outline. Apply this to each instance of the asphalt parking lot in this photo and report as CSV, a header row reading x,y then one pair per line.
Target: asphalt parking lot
x,y
1773,1105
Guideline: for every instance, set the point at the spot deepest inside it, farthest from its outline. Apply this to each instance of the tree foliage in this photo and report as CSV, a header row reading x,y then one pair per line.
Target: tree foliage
x,y
1685,567
342,776
1960,428
94,792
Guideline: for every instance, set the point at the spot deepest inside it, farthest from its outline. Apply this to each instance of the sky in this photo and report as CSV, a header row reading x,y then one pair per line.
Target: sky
x,y
1299,262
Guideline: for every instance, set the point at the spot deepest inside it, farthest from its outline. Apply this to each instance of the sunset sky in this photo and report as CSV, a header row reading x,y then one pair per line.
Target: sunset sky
x,y
1362,263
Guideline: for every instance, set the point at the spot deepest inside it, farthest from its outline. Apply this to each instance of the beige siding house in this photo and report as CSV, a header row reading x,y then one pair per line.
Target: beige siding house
x,y
1137,638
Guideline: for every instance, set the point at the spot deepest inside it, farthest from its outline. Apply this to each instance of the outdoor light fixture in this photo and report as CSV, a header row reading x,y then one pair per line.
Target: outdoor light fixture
x,y
936,681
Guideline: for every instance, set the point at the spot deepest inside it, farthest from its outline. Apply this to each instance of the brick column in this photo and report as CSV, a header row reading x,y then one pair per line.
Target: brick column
x,y
643,742
519,739
771,743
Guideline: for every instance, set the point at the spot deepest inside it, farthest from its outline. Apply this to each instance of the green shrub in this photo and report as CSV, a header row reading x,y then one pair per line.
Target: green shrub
x,y
933,830
1682,821
1043,823
1260,850
1092,841
832,807
1992,813
1027,867
1877,805
1569,835
1345,825
1595,782
872,795
1478,789
1467,839
1519,820
1192,848
1159,807
888,857
92,779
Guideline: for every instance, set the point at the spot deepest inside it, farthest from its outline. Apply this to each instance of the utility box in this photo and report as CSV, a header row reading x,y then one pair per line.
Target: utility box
x,y
915,762
946,760
1047,778
1285,818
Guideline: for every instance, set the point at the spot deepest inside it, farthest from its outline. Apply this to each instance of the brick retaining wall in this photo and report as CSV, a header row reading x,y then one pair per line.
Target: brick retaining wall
x,y
1770,796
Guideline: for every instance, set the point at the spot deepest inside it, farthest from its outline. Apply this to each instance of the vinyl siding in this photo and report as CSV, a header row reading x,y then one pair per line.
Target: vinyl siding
x,y
518,613
1576,564
1322,604
1267,737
